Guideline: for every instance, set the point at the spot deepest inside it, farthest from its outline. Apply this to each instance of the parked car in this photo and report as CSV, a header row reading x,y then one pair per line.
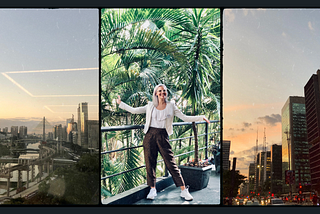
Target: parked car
x,y
276,201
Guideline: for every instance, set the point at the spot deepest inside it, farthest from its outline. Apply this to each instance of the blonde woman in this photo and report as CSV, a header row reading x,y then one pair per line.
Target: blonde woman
x,y
158,128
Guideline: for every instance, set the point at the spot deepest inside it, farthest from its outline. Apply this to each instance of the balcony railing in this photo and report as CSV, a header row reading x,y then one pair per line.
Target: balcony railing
x,y
134,127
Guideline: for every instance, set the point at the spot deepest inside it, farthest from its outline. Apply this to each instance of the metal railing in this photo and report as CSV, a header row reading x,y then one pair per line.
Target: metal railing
x,y
132,127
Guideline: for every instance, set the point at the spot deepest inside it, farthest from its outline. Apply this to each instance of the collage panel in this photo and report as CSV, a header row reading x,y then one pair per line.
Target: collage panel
x,y
271,107
158,63
49,107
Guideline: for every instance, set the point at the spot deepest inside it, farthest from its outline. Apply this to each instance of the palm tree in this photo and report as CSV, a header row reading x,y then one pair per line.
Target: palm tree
x,y
135,58
141,48
199,40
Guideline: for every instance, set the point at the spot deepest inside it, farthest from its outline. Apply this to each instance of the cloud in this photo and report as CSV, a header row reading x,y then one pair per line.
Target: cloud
x,y
245,157
245,124
270,120
310,26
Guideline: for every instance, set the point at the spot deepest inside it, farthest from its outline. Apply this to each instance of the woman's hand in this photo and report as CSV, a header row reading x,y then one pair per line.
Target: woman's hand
x,y
118,100
206,119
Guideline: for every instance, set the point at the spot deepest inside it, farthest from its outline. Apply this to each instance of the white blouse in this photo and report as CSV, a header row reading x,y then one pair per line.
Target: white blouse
x,y
158,118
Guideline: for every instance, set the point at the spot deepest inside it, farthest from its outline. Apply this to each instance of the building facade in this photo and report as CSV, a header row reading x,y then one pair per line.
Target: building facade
x,y
14,131
82,125
23,132
225,154
251,177
312,104
263,170
93,134
276,169
295,147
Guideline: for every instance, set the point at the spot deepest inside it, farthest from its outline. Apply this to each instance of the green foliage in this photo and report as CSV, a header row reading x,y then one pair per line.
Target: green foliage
x,y
77,184
141,48
227,183
4,150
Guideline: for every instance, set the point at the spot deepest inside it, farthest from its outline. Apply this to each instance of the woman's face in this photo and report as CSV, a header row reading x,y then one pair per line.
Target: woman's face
x,y
161,93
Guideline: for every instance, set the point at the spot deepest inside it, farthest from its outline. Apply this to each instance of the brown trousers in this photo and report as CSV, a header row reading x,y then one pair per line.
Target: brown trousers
x,y
158,140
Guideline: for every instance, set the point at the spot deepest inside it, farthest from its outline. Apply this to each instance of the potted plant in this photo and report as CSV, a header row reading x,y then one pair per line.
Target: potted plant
x,y
196,176
201,48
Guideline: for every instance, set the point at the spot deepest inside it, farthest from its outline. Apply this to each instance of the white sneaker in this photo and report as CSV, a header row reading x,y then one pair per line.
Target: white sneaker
x,y
186,195
152,193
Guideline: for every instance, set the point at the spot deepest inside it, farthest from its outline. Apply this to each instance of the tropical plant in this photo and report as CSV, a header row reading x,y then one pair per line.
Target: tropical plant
x,y
141,48
200,44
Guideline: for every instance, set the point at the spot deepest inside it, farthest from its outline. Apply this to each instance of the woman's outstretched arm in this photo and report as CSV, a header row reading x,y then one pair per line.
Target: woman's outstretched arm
x,y
186,118
138,110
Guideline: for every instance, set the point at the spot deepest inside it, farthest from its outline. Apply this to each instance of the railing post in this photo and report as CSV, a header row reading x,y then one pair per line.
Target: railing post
x,y
206,140
166,173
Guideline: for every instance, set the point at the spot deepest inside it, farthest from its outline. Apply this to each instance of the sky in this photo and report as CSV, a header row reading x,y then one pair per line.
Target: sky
x,y
268,55
49,63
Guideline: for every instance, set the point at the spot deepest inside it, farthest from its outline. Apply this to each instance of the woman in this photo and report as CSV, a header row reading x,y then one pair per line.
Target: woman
x,y
158,127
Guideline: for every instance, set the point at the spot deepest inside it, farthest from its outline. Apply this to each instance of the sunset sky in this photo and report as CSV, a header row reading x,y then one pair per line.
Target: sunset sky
x,y
268,55
49,64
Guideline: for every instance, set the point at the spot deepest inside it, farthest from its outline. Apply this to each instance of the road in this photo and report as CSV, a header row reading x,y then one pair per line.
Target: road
x,y
33,186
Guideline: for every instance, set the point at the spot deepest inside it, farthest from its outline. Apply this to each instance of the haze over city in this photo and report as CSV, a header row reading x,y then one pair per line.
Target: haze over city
x,y
49,64
269,55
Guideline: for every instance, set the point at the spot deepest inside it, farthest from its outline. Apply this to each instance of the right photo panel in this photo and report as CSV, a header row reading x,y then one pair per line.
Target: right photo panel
x,y
271,107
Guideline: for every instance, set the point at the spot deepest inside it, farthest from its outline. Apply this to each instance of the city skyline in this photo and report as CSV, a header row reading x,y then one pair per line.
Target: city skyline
x,y
269,55
49,64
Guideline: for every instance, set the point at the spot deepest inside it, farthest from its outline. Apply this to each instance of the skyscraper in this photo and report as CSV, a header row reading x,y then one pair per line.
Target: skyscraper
x,y
22,132
295,148
225,154
276,168
72,126
251,177
263,169
82,125
14,131
312,103
93,134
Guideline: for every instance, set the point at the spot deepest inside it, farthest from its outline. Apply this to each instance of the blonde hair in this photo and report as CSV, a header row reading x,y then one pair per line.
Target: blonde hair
x,y
155,98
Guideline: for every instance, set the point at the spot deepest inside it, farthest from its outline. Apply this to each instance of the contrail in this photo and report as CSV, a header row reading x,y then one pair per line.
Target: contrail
x,y
17,84
52,70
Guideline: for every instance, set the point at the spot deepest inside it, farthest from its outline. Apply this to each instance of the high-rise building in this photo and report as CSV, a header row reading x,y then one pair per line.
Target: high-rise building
x,y
72,126
225,154
50,136
60,132
263,170
93,134
69,120
251,177
312,103
14,131
295,148
276,169
5,129
257,172
22,132
82,125
55,132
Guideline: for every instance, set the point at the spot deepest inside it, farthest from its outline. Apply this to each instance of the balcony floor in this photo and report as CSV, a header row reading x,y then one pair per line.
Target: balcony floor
x,y
171,195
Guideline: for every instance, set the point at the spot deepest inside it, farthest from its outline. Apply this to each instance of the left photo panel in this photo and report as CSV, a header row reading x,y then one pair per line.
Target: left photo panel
x,y
49,109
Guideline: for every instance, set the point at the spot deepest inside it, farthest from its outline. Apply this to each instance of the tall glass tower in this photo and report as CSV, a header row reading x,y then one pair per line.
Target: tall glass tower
x,y
312,95
82,125
295,147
